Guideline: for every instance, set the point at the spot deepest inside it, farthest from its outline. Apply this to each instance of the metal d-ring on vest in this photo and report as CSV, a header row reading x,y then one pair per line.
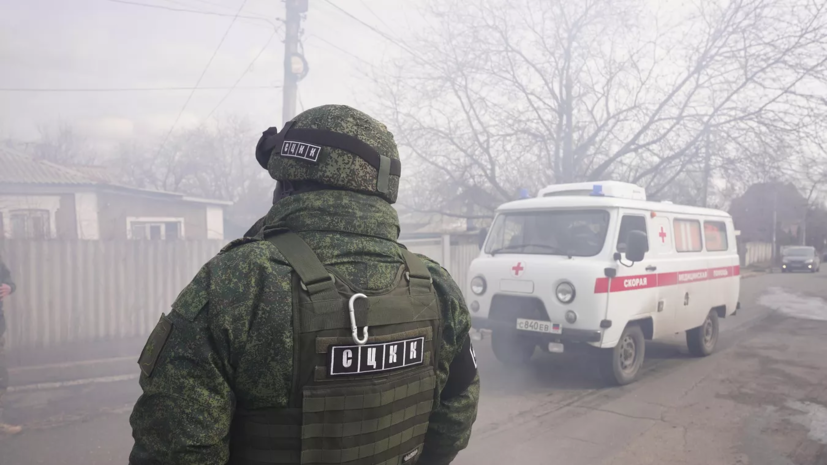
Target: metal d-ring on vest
x,y
353,327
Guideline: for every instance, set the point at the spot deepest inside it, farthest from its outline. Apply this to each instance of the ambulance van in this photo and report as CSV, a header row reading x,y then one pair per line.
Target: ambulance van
x,y
599,265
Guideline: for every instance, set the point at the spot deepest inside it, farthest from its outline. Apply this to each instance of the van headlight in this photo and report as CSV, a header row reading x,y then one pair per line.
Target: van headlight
x,y
478,285
565,292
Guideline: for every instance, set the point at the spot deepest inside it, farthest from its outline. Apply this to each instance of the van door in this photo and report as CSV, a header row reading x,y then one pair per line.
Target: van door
x,y
670,298
692,277
723,265
634,291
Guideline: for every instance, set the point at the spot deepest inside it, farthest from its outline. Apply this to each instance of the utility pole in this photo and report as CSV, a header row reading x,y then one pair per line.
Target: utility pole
x,y
295,66
774,221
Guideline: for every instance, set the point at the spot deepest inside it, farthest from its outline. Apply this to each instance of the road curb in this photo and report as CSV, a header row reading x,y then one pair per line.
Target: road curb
x,y
76,382
55,375
752,275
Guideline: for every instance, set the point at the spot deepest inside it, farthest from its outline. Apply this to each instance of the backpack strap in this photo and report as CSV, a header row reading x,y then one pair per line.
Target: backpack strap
x,y
418,274
314,277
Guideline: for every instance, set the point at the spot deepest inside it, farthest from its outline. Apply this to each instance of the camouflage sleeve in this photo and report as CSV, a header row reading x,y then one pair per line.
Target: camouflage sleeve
x,y
227,341
185,411
450,423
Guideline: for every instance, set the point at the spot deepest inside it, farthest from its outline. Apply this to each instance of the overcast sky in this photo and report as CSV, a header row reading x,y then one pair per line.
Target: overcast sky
x,y
60,44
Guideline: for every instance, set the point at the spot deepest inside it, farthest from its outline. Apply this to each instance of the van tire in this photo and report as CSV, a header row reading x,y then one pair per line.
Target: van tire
x,y
621,364
701,341
509,349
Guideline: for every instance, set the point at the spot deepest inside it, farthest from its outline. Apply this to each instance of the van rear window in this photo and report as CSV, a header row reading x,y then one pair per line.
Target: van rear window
x,y
688,236
578,233
715,236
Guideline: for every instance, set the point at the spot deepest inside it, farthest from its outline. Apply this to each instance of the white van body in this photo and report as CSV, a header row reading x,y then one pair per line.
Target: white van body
x,y
691,267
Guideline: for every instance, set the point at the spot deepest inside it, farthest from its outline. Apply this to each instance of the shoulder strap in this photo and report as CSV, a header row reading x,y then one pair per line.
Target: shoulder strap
x,y
315,278
418,274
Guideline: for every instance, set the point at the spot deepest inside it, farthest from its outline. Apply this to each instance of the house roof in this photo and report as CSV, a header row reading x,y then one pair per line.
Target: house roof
x,y
19,169
414,223
99,174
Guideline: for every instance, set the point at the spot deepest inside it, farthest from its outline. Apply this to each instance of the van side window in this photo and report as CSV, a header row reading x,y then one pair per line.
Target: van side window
x,y
688,236
628,224
715,236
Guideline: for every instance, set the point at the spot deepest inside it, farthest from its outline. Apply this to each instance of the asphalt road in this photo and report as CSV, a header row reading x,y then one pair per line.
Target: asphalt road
x,y
760,399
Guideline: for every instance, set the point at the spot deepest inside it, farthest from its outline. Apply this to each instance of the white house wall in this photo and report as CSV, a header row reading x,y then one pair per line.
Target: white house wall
x,y
215,222
86,207
29,202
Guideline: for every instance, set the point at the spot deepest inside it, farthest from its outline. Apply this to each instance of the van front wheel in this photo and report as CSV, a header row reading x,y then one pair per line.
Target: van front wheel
x,y
701,341
620,365
510,349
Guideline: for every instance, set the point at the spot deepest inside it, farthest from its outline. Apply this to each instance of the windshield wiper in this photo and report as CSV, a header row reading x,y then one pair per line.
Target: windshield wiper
x,y
522,246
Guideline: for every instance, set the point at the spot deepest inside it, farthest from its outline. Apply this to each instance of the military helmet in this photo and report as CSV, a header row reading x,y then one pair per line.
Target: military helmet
x,y
334,145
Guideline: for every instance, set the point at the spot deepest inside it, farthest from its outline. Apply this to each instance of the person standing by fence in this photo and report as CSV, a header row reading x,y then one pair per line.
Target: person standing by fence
x,y
6,288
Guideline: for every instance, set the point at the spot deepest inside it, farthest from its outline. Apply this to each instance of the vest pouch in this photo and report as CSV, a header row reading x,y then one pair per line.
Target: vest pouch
x,y
379,423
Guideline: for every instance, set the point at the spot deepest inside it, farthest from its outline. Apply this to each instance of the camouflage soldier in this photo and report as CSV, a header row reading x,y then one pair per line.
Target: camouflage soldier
x,y
6,288
317,338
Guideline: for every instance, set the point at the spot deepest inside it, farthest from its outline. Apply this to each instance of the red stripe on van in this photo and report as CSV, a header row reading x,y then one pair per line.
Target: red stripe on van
x,y
601,286
631,283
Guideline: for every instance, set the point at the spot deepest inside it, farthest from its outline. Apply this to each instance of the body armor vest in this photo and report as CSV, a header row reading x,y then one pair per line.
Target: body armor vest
x,y
364,376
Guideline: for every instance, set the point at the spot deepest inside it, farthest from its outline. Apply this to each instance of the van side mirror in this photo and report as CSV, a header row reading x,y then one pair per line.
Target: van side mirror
x,y
637,244
483,234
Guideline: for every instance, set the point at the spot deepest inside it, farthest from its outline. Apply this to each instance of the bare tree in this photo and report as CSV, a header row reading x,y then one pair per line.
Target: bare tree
x,y
61,143
214,162
809,172
501,94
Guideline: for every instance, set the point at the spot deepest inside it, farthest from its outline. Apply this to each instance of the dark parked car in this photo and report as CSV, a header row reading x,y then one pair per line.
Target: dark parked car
x,y
800,259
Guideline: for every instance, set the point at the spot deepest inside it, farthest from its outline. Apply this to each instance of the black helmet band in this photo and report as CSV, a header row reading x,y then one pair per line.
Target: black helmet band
x,y
306,144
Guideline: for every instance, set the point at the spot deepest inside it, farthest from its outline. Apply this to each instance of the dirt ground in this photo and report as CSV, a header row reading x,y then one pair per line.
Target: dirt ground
x,y
760,399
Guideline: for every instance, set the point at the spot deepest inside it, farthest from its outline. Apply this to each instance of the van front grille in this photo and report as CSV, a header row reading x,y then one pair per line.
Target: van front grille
x,y
508,308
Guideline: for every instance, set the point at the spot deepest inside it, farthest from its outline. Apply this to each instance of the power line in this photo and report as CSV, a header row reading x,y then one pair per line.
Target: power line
x,y
200,12
246,71
219,5
374,14
203,73
314,36
387,37
127,89
207,2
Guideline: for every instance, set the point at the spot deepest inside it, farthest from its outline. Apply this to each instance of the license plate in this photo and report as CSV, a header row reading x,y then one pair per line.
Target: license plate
x,y
539,326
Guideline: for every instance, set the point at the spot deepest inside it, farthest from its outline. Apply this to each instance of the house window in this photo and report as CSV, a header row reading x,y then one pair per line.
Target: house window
x,y
155,229
30,224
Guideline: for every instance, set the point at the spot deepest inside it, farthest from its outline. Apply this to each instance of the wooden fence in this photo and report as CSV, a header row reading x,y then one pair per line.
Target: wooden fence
x,y
84,291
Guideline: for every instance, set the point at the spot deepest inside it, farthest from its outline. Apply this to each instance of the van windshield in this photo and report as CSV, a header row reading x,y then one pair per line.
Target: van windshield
x,y
579,233
800,252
